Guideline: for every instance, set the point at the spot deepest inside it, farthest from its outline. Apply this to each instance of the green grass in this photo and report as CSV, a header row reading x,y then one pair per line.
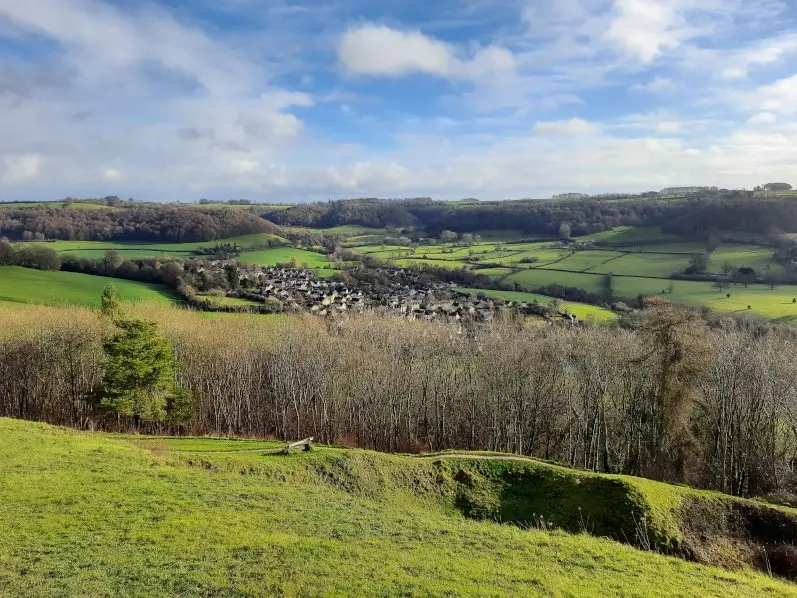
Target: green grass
x,y
631,236
582,310
750,256
353,229
773,304
97,249
644,264
25,285
581,261
271,257
97,515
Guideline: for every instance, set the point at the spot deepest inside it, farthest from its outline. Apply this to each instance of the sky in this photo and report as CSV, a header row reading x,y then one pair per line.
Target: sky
x,y
302,100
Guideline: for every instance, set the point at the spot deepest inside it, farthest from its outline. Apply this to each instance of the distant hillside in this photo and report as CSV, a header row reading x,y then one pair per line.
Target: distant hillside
x,y
149,223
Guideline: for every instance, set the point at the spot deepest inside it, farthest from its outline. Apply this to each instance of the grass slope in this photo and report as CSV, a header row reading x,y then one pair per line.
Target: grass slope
x,y
96,514
97,249
25,285
271,257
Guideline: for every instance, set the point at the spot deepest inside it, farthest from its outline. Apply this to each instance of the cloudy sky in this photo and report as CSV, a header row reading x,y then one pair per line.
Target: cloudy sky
x,y
293,100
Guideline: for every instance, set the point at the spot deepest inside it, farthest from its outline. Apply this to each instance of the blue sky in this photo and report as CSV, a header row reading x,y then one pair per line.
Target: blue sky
x,y
296,100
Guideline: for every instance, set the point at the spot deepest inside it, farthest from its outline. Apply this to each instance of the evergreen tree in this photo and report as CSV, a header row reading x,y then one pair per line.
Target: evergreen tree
x,y
139,380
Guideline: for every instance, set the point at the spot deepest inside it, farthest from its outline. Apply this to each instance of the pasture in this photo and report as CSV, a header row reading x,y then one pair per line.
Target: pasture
x,y
99,514
641,260
25,285
143,250
284,255
582,310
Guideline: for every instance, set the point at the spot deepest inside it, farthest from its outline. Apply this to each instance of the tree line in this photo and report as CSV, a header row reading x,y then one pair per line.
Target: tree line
x,y
150,223
668,396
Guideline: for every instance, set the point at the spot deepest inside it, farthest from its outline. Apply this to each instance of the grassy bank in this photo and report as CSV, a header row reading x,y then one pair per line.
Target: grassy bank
x,y
91,514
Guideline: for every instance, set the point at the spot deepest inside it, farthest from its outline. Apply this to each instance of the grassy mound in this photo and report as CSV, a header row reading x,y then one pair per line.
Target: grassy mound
x,y
92,514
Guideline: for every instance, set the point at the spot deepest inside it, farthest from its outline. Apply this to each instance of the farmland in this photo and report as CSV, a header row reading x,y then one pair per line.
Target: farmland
x,y
141,250
641,261
25,285
96,514
581,310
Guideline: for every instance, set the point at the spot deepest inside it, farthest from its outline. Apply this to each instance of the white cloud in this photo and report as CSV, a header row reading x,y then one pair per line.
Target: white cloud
x,y
779,97
644,29
574,126
103,38
762,53
381,50
154,103
762,118
656,85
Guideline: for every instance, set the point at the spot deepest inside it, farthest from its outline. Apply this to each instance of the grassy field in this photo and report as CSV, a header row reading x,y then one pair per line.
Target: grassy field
x,y
582,310
93,514
97,249
25,285
282,255
642,260
511,257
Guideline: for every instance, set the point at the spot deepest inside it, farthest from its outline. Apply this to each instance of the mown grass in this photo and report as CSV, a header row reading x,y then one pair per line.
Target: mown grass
x,y
91,514
25,285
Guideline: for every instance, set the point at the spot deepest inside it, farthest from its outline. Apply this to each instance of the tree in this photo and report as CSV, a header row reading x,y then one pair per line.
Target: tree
x,y
448,236
112,260
607,287
772,278
110,304
233,276
467,239
139,379
294,262
727,269
8,255
746,276
564,230
698,263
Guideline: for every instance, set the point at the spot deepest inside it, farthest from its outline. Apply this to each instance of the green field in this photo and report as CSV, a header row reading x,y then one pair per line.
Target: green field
x,y
283,255
25,285
141,250
582,310
642,260
639,267
94,515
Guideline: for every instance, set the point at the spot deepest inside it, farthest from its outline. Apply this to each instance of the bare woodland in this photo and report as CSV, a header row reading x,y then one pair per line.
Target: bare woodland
x,y
671,398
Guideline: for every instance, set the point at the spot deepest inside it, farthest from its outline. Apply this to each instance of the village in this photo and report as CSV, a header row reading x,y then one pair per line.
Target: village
x,y
390,291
